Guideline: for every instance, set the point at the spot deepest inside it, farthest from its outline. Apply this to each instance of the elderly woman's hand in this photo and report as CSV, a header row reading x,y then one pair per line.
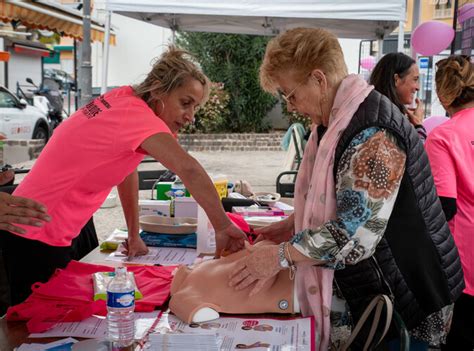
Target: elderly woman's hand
x,y
277,232
260,266
20,210
228,240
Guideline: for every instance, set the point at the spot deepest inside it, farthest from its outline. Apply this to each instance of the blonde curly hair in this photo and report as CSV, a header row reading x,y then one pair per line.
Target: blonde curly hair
x,y
302,50
455,80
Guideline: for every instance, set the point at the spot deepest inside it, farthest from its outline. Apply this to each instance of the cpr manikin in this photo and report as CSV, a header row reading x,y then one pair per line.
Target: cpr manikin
x,y
200,292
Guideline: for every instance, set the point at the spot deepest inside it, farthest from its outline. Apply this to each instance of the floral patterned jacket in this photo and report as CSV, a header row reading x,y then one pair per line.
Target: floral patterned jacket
x,y
367,183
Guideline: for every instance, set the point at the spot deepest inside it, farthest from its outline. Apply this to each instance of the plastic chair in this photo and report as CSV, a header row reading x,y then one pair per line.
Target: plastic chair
x,y
146,179
285,182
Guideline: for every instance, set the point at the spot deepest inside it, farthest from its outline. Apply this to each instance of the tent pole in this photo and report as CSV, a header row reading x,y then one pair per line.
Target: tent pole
x,y
105,53
401,36
414,23
85,73
380,48
455,22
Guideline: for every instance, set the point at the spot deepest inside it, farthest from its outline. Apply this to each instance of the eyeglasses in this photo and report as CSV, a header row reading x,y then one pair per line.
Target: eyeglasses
x,y
289,98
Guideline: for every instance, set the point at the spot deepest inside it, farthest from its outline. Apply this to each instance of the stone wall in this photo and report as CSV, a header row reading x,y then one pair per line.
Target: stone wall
x,y
16,151
231,142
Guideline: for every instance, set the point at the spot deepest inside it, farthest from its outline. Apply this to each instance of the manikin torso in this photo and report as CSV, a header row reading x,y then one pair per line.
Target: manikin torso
x,y
200,292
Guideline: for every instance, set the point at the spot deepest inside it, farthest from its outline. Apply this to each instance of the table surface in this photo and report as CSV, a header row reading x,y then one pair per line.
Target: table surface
x,y
13,334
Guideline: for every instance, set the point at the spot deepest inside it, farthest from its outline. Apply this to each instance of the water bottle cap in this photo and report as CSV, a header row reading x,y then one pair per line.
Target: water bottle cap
x,y
120,270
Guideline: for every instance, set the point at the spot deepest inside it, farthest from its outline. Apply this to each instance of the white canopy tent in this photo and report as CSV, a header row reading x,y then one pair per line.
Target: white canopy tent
x,y
369,19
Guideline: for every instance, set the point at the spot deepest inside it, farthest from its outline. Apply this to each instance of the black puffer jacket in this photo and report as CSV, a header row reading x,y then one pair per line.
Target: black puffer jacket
x,y
416,262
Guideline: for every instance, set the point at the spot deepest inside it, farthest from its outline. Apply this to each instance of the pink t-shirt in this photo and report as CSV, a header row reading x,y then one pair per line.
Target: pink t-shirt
x,y
450,148
88,154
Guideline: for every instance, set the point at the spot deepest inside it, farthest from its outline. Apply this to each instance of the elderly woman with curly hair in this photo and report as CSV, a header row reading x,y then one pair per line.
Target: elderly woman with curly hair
x,y
367,216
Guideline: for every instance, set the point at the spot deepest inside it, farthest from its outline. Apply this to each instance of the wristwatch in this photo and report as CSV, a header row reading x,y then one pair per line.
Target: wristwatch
x,y
281,256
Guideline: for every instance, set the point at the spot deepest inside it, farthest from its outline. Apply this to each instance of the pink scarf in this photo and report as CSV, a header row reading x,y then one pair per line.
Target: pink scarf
x,y
315,202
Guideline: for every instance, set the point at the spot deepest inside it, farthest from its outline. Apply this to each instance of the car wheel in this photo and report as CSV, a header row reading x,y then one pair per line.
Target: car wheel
x,y
41,133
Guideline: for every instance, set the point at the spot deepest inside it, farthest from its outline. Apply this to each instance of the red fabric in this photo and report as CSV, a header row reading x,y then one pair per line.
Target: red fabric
x,y
240,222
68,295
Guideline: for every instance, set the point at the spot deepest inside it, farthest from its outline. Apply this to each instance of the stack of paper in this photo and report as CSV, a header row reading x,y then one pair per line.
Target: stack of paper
x,y
60,345
165,256
184,342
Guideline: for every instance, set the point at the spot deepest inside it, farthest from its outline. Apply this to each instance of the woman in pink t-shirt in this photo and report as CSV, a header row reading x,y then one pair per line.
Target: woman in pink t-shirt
x,y
99,147
450,148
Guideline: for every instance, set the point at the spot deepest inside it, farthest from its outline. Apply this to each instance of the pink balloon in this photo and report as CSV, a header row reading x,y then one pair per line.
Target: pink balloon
x,y
432,122
368,63
432,37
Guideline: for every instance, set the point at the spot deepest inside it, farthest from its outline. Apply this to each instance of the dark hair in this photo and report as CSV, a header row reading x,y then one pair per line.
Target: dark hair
x,y
455,80
383,75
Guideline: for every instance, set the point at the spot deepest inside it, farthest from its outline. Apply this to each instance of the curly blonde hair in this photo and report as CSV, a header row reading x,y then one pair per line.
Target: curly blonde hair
x,y
170,71
302,50
455,80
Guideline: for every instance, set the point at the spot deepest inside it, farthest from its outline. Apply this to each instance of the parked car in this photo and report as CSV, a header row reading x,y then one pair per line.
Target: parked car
x,y
18,120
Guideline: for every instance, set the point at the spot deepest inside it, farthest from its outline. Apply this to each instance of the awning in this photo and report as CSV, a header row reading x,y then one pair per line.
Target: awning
x,y
24,49
51,17
4,56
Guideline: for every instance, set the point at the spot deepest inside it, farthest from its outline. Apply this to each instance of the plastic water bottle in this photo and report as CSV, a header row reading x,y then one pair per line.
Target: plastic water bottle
x,y
178,189
120,307
206,236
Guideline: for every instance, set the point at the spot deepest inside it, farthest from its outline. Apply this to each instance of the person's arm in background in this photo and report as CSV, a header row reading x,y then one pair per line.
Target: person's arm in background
x,y
165,149
443,167
128,193
19,210
449,207
416,117
7,177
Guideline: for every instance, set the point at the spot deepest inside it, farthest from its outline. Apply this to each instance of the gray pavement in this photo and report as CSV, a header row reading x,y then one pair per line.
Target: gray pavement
x,y
259,168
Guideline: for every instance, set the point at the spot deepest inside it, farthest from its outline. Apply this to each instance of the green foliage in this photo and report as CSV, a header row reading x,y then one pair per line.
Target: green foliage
x,y
234,60
52,38
212,117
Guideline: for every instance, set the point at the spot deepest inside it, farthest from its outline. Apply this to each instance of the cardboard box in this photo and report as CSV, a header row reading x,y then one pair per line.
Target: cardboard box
x,y
163,189
154,207
257,211
185,207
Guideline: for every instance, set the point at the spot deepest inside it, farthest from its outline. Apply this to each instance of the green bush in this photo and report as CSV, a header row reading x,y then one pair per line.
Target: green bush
x,y
234,60
211,117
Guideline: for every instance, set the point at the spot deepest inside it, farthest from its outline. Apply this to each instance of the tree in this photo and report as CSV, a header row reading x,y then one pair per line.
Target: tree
x,y
234,60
